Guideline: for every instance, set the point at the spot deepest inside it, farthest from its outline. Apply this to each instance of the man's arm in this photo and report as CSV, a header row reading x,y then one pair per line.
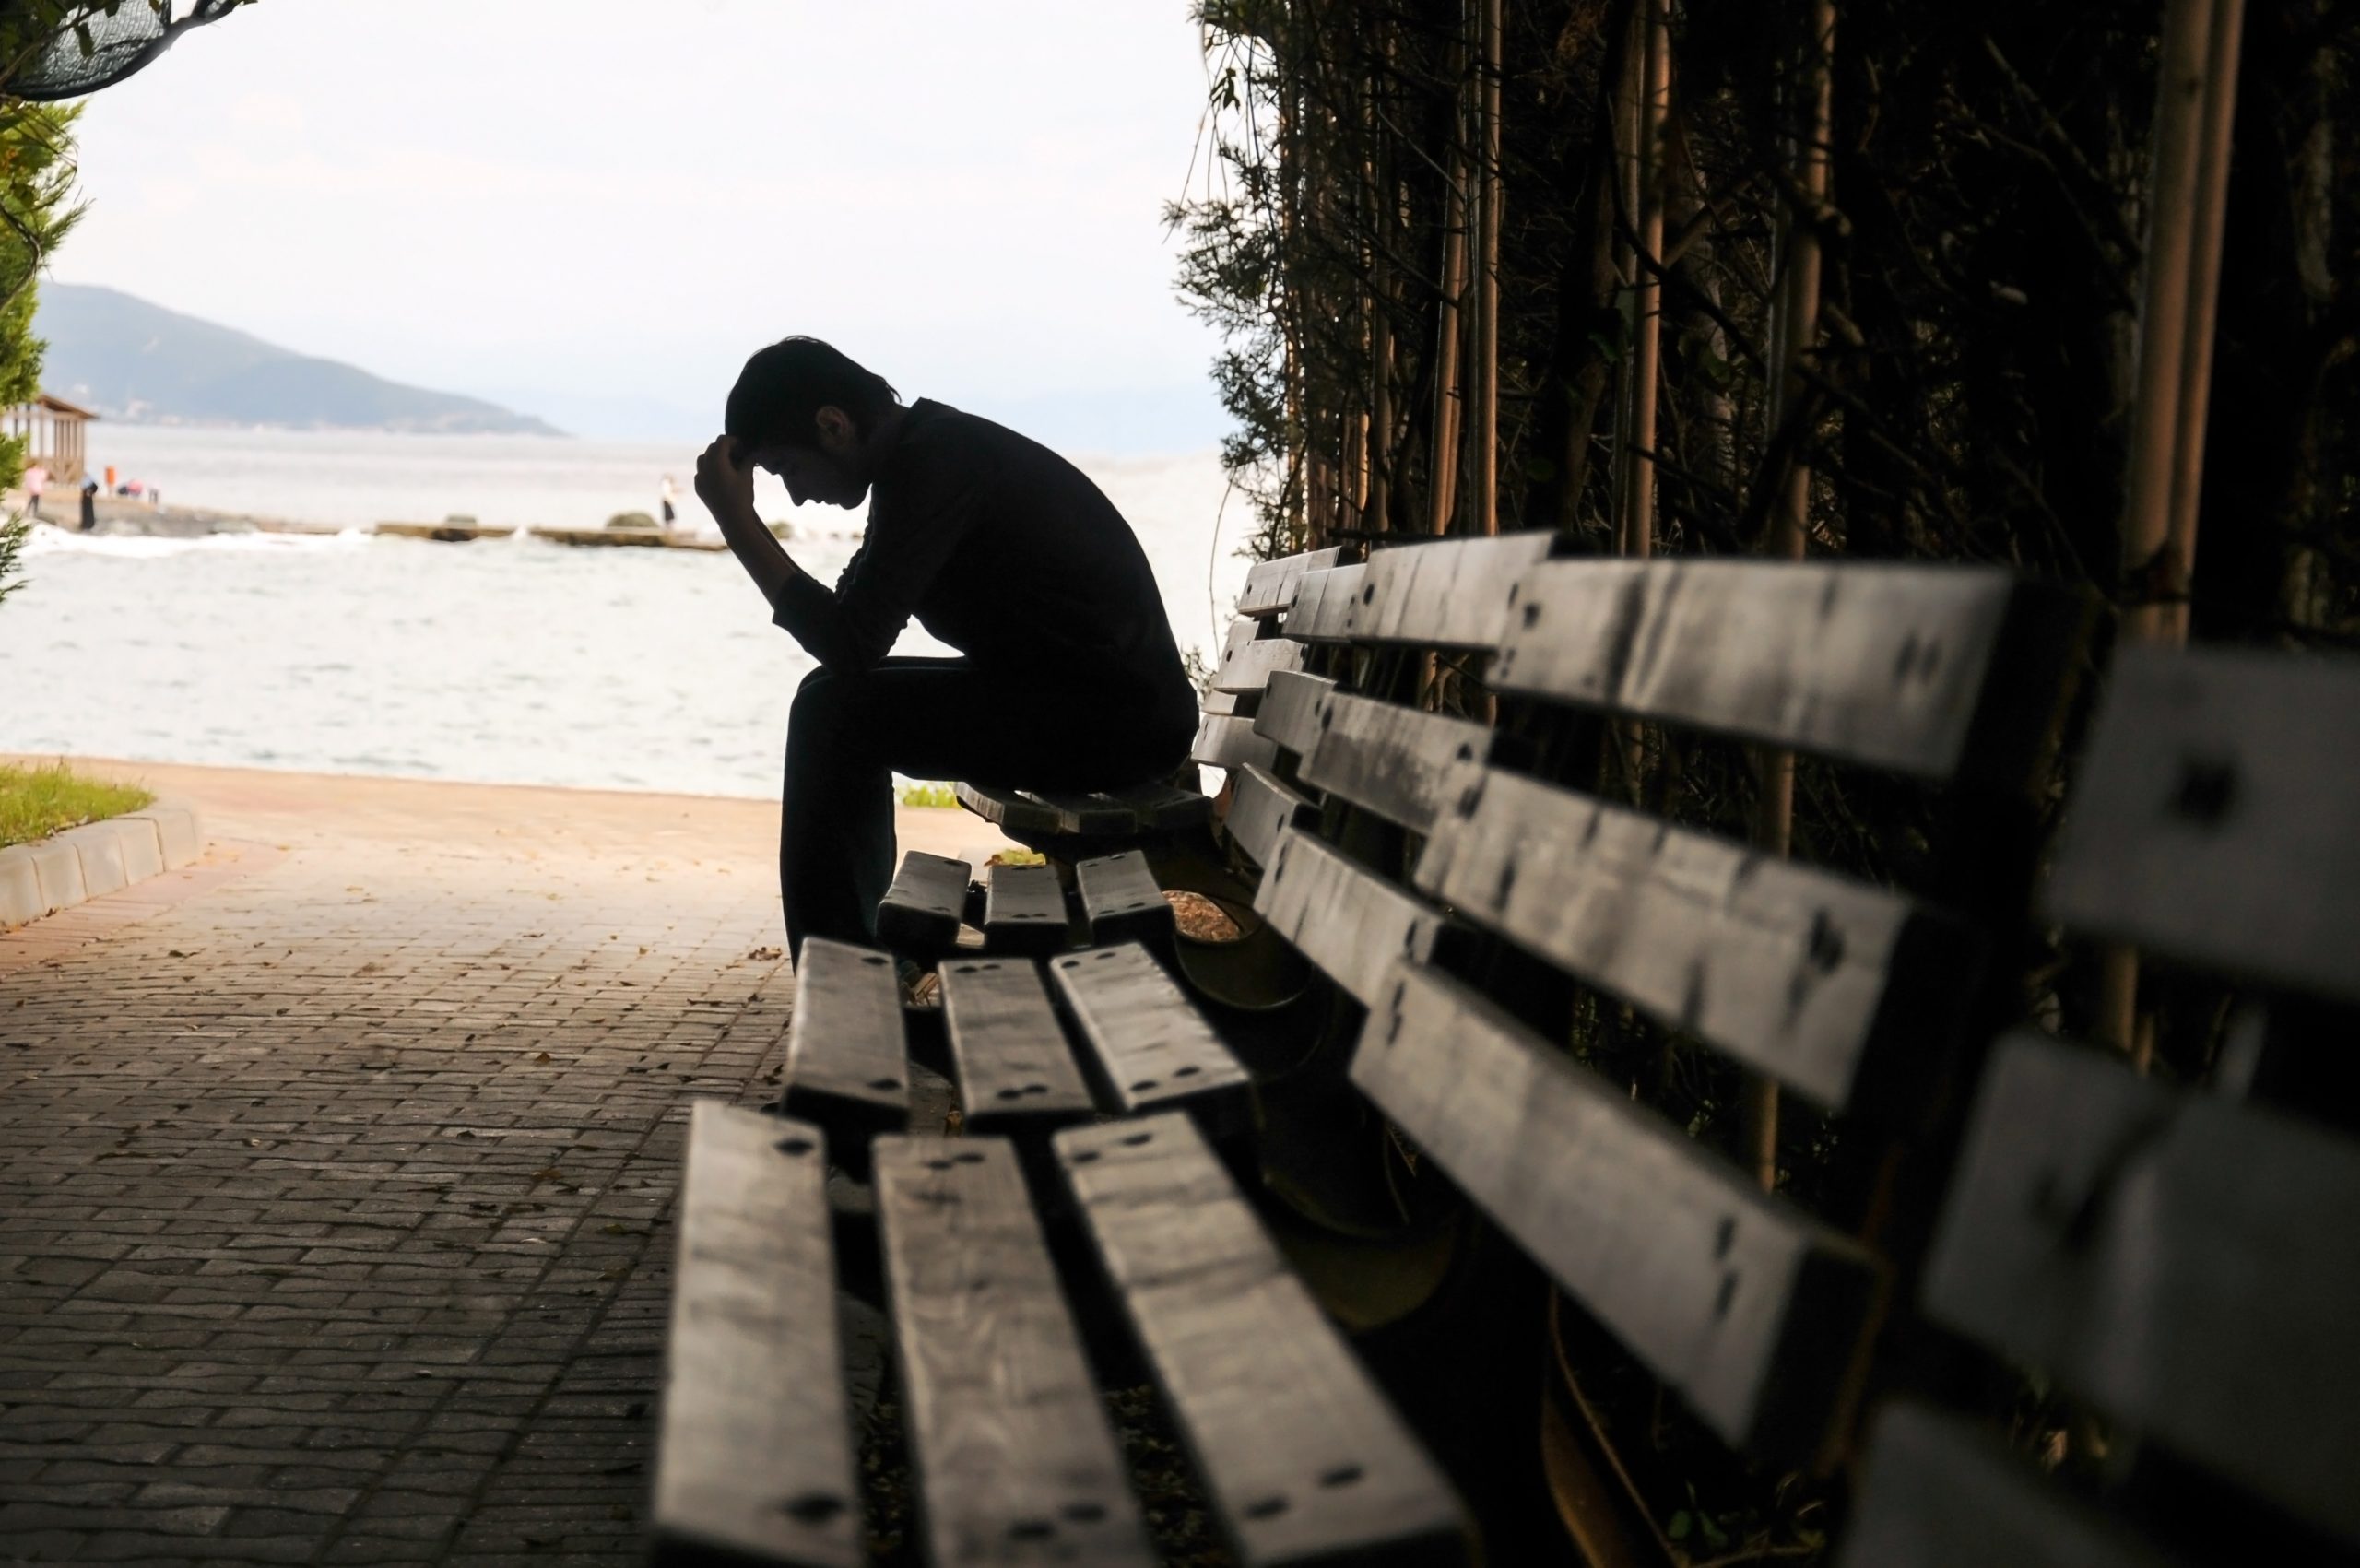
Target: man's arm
x,y
727,492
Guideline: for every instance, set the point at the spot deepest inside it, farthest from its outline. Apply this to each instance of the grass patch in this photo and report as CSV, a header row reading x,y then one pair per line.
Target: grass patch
x,y
50,798
932,796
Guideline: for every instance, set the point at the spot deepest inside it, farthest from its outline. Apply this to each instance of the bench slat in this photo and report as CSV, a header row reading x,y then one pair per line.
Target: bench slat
x,y
1024,909
2187,1264
848,1065
1015,1068
1742,1302
1120,900
1248,667
1089,814
1261,808
1446,593
1933,671
1290,712
920,913
1270,585
1344,918
2215,785
1938,1493
1388,757
1006,1431
1323,605
1305,1459
1149,1046
1812,978
1164,807
1229,741
1013,811
754,1461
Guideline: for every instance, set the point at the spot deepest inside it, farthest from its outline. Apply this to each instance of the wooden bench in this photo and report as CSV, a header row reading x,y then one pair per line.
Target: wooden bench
x,y
1465,890
2182,1260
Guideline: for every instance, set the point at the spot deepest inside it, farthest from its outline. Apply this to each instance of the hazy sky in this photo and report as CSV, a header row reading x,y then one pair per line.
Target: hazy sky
x,y
594,210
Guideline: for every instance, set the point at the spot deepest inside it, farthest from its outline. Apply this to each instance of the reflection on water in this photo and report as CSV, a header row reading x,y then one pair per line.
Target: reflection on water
x,y
513,661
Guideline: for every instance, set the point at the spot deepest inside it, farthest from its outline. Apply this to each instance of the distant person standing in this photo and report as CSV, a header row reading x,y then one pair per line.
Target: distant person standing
x,y
111,489
668,496
89,505
36,481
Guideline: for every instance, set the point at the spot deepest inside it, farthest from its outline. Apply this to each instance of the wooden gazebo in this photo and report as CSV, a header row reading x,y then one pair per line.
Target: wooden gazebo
x,y
51,428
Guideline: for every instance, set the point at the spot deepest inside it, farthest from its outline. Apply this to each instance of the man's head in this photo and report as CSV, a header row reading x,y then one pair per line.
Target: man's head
x,y
811,416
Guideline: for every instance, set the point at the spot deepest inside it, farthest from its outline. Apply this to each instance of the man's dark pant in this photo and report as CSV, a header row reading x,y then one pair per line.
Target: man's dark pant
x,y
941,719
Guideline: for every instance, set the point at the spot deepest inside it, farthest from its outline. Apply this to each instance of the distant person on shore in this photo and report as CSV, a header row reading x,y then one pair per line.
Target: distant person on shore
x,y
1067,679
111,489
89,505
36,481
666,495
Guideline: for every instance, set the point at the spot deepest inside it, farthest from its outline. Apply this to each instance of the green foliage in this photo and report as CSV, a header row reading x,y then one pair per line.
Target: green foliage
x,y
37,211
49,799
931,796
14,532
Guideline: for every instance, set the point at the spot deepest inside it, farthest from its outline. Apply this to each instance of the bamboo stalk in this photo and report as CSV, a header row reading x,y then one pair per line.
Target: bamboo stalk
x,y
1639,495
1486,454
1449,373
2223,49
1376,503
1790,519
2195,100
2151,578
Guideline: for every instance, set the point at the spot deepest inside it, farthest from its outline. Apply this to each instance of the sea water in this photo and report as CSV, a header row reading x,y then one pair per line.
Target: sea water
x,y
509,661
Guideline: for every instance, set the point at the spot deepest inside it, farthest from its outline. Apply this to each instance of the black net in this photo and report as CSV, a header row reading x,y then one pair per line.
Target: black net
x,y
99,44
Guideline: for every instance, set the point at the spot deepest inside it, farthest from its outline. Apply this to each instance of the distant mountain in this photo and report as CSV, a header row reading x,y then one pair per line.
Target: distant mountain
x,y
144,364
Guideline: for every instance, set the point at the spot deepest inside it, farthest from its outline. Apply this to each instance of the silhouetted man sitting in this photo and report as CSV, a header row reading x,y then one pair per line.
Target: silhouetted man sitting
x,y
1070,678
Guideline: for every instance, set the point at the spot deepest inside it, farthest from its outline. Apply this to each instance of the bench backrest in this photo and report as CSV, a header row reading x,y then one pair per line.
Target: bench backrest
x,y
1853,995
2183,1260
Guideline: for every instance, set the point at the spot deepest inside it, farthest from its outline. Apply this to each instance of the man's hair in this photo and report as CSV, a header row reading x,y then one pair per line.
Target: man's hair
x,y
780,391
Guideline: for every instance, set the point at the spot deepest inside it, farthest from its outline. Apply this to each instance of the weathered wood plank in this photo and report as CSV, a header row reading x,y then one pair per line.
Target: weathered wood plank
x,y
1007,1432
754,1455
1242,630
1807,976
1024,909
1747,1306
847,1067
1249,667
1934,671
2190,1265
1323,605
1270,585
1015,1069
1289,716
1446,593
1089,814
1390,758
1939,1494
1341,916
1120,900
1229,740
1012,811
1164,807
920,913
2217,819
1305,1459
1261,808
1149,1047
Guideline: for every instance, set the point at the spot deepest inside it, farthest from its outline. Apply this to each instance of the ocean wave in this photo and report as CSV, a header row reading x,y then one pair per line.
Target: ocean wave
x,y
50,539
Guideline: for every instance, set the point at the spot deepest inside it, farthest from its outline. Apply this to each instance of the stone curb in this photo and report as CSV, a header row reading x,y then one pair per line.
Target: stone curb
x,y
97,858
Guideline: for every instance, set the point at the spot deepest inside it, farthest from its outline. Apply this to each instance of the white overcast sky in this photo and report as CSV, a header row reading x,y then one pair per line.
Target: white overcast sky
x,y
593,210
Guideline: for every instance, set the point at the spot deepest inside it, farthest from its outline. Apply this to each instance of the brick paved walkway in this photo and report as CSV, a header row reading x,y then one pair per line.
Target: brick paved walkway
x,y
336,1171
